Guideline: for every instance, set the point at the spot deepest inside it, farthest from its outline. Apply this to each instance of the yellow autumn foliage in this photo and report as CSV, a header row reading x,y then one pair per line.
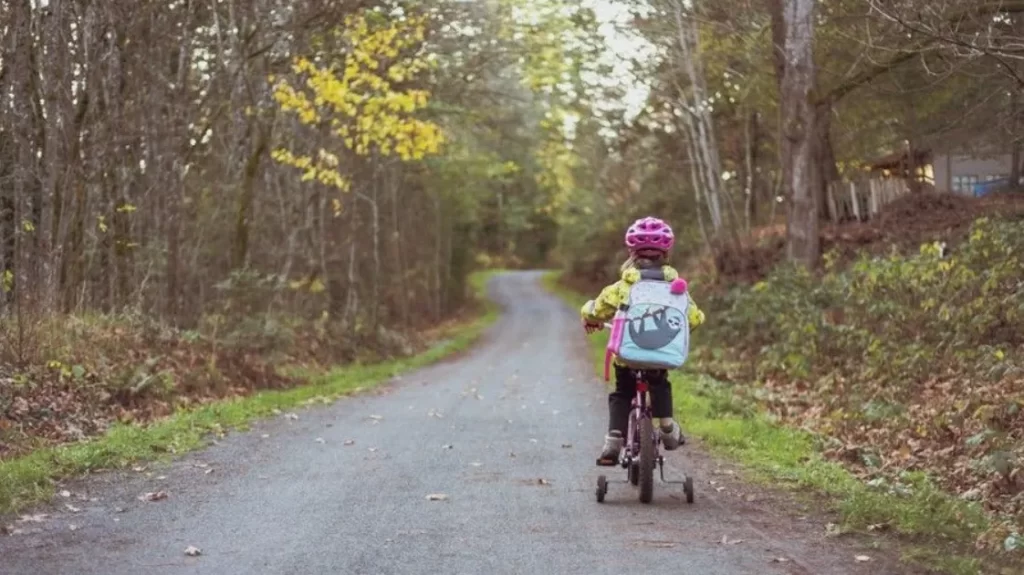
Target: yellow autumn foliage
x,y
357,98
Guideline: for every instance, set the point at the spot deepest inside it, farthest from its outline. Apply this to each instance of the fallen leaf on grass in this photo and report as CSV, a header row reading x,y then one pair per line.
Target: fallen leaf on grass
x,y
862,559
437,497
153,496
726,541
193,551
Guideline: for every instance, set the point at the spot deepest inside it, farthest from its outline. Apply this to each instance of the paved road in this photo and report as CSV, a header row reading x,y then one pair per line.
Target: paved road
x,y
291,497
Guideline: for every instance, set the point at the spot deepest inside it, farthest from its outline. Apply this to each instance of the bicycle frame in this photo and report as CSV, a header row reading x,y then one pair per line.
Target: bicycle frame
x,y
641,408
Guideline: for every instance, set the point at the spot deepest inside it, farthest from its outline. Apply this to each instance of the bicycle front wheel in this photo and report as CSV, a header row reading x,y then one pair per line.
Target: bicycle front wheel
x,y
647,457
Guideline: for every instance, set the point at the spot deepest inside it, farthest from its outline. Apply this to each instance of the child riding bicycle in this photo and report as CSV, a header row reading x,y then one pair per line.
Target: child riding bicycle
x,y
649,241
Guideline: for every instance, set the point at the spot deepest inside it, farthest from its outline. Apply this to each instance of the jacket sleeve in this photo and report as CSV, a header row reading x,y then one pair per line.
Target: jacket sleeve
x,y
694,313
603,308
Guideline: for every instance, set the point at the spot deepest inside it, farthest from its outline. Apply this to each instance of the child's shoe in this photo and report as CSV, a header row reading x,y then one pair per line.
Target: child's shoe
x,y
671,436
612,447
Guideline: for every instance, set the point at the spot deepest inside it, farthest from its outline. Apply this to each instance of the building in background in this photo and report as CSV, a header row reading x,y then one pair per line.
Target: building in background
x,y
963,173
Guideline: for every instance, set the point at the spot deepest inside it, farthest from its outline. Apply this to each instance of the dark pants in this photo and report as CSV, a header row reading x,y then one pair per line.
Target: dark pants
x,y
620,401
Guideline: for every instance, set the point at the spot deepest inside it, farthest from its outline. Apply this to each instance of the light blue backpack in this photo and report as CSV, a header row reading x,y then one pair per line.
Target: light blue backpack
x,y
652,330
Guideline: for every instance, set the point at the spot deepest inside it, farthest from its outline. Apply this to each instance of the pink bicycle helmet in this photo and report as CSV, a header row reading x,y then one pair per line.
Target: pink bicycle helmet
x,y
649,233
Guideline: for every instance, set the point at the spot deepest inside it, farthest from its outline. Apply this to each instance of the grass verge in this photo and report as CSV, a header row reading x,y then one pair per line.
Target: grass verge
x,y
935,522
29,479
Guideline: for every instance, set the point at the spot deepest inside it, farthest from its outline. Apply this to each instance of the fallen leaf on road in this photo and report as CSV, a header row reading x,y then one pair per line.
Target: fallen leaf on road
x,y
292,416
119,510
659,544
65,494
476,464
193,551
200,465
780,560
862,559
750,498
138,469
543,481
448,446
532,440
726,541
349,442
437,497
265,435
372,449
208,471
161,477
37,518
72,508
72,528
511,454
566,446
320,440
153,496
376,417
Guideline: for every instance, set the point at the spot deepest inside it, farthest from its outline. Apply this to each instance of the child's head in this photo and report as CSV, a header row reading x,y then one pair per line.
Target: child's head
x,y
649,240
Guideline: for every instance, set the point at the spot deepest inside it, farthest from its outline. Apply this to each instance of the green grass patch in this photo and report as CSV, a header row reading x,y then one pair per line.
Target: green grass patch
x,y
788,457
30,479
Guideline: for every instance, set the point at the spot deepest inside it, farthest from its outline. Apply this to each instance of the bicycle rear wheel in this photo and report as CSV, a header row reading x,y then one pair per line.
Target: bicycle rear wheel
x,y
647,457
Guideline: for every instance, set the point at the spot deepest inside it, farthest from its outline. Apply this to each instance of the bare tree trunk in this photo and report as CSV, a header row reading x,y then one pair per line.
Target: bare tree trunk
x,y
1018,139
245,198
802,174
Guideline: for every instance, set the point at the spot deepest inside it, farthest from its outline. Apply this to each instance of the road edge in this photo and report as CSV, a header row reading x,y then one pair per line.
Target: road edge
x,y
31,479
781,457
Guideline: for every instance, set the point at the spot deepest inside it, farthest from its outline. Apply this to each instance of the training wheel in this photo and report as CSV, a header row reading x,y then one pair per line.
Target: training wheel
x,y
688,488
602,488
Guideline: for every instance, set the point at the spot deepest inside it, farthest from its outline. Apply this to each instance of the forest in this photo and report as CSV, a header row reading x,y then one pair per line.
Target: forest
x,y
194,193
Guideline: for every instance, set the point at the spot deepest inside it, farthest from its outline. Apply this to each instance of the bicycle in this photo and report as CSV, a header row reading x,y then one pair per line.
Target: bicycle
x,y
641,455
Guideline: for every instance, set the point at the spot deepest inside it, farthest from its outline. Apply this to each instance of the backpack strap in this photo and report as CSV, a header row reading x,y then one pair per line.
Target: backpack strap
x,y
656,274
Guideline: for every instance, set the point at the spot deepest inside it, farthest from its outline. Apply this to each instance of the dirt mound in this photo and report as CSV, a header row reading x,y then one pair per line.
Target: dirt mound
x,y
904,224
